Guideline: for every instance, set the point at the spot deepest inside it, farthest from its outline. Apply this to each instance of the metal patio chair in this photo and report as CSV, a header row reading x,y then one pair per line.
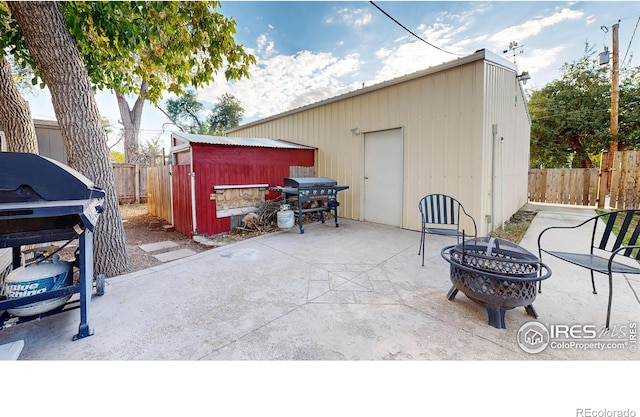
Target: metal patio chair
x,y
600,254
441,215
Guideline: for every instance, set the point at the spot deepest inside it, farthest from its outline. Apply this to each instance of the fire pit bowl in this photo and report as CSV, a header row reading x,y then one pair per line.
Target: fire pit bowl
x,y
495,273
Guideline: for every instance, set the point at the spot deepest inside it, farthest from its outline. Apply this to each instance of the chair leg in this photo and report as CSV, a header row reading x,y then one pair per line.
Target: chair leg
x,y
421,247
540,272
610,299
593,283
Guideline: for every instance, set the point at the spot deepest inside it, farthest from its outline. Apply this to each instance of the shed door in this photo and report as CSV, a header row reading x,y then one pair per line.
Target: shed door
x,y
181,190
383,177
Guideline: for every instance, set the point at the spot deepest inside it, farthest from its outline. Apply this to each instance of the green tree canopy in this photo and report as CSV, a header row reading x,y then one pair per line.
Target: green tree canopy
x,y
144,48
184,112
571,116
187,112
225,115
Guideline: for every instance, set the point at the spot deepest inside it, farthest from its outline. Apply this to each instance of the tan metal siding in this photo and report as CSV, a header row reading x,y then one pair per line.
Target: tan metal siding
x,y
505,105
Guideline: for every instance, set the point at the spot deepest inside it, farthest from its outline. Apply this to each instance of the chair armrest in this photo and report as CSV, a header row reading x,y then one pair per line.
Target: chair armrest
x,y
475,228
620,249
564,228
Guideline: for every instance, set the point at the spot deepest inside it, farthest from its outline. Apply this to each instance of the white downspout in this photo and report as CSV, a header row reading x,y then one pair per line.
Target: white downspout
x,y
192,174
494,135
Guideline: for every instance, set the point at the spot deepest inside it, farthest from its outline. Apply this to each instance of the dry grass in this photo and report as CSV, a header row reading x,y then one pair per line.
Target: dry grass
x,y
128,211
516,227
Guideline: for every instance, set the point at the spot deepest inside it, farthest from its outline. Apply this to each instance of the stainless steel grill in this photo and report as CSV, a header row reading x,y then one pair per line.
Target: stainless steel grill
x,y
311,195
43,201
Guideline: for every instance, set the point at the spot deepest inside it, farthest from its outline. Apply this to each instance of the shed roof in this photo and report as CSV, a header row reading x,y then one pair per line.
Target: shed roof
x,y
235,141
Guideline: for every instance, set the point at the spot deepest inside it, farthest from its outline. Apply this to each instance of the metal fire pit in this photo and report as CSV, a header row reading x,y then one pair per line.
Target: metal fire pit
x,y
495,273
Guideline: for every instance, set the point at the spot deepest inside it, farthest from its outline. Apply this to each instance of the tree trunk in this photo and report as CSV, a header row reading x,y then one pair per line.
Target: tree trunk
x,y
131,119
15,114
55,53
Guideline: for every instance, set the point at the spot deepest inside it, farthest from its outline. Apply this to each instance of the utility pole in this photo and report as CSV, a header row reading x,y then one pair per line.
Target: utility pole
x,y
615,98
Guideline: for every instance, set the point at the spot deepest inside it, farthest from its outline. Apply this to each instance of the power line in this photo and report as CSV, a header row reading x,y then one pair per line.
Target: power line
x,y
631,40
405,28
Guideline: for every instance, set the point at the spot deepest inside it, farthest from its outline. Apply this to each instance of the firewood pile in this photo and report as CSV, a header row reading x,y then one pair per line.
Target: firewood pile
x,y
265,220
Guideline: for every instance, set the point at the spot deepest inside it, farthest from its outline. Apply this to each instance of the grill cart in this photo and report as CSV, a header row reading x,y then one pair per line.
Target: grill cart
x,y
311,195
44,201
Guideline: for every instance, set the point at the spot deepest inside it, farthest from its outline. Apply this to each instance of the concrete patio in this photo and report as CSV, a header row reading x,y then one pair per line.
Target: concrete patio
x,y
357,292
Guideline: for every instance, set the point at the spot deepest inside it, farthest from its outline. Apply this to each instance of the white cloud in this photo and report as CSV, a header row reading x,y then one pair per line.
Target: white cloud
x,y
541,63
347,16
266,47
284,82
533,27
408,58
413,55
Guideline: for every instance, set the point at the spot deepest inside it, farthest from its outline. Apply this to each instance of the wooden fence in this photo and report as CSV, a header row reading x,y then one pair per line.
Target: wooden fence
x,y
131,182
625,181
576,186
159,192
587,187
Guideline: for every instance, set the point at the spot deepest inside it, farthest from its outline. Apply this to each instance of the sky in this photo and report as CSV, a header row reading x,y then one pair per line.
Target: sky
x,y
313,50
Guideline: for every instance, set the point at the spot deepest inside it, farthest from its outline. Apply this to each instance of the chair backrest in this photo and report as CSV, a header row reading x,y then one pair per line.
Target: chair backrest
x,y
440,209
622,228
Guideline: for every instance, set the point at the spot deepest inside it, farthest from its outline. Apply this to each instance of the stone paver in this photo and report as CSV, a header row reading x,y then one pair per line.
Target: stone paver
x,y
152,247
173,255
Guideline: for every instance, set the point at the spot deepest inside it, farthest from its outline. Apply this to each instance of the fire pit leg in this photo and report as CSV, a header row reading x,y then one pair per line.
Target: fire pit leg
x,y
496,316
531,311
452,293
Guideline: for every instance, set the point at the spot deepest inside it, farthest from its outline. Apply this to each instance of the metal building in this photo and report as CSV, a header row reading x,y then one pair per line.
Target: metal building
x,y
49,136
461,128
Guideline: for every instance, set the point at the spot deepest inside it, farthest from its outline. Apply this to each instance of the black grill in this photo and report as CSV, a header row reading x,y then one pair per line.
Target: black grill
x,y
41,201
311,195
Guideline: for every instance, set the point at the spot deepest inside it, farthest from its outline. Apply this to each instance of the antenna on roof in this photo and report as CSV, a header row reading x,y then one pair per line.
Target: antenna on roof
x,y
515,50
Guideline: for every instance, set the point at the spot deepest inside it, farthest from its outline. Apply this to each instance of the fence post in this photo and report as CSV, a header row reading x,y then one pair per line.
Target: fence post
x,y
604,181
136,182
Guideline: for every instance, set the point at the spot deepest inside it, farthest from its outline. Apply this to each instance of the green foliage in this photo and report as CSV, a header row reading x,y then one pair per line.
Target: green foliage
x,y
184,111
151,151
225,115
169,44
571,116
117,157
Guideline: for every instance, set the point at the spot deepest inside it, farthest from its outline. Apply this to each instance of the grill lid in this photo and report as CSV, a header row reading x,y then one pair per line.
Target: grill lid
x,y
27,177
42,200
309,182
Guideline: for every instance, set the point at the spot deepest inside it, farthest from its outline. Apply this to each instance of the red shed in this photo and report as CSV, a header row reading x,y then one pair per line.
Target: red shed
x,y
216,180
